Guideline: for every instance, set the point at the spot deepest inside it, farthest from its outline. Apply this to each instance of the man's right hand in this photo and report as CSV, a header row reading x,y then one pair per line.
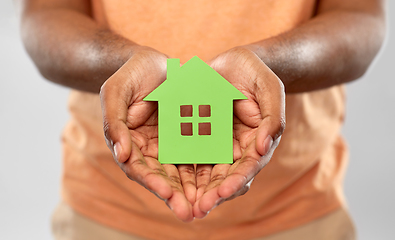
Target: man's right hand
x,y
131,131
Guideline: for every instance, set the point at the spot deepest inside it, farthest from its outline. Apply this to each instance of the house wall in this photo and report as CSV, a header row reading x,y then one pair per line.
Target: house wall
x,y
214,148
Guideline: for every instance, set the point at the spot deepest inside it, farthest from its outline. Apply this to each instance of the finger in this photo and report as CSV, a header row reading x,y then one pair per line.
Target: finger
x,y
114,103
242,191
147,172
206,203
211,198
269,131
180,206
243,171
203,174
162,180
178,203
188,181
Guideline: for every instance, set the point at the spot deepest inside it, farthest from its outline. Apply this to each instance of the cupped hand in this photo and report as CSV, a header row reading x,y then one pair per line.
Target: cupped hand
x,y
131,131
258,124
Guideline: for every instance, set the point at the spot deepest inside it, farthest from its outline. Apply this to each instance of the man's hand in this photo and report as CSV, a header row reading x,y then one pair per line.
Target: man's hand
x,y
131,131
259,122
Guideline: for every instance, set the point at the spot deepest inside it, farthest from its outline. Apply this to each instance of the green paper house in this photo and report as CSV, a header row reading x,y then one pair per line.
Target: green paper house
x,y
195,114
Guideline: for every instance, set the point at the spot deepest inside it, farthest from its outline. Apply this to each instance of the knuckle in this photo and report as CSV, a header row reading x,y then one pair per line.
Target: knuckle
x,y
175,179
187,170
134,164
203,172
202,185
188,182
159,171
217,177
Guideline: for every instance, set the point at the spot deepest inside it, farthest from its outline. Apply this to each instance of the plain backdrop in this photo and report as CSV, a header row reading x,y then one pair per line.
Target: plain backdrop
x,y
33,112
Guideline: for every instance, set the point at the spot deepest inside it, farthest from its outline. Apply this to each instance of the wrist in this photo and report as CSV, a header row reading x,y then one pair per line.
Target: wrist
x,y
277,61
264,52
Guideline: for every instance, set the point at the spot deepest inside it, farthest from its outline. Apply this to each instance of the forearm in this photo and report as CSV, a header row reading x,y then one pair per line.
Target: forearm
x,y
71,49
335,47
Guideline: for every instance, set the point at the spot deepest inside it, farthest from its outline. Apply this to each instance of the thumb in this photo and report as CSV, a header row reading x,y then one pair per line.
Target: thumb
x,y
272,105
114,103
268,134
118,139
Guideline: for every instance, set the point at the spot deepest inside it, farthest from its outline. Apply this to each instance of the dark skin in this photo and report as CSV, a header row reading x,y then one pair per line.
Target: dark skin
x,y
70,48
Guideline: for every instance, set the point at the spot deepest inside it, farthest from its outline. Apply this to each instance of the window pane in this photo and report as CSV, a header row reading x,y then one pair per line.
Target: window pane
x,y
186,129
205,128
186,110
204,111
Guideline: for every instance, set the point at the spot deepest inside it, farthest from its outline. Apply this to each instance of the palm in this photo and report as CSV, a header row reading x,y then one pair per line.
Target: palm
x,y
163,180
245,157
142,122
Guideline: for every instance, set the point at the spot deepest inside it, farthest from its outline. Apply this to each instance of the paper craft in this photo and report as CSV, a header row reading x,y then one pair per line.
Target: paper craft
x,y
195,114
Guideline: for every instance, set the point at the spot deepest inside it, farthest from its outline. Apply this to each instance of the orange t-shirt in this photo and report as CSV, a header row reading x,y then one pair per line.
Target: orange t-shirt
x,y
302,182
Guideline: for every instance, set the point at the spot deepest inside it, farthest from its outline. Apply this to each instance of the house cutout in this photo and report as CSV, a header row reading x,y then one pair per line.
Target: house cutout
x,y
195,114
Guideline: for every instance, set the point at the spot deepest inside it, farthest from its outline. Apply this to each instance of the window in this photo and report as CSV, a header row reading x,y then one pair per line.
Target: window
x,y
188,120
186,129
204,111
186,110
205,128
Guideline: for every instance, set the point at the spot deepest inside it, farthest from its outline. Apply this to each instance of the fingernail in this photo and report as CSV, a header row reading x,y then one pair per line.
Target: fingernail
x,y
117,150
267,144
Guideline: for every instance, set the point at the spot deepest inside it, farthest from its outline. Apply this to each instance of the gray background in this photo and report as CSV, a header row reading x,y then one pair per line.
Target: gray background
x,y
33,113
